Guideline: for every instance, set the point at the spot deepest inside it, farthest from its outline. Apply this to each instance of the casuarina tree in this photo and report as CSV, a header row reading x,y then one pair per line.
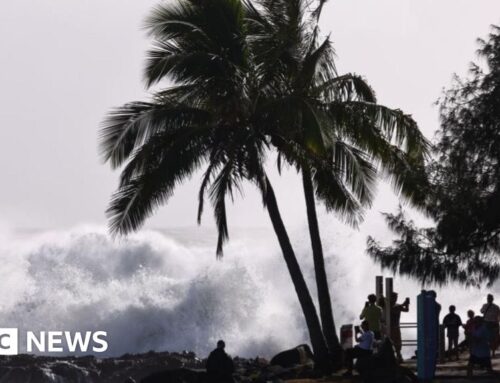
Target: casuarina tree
x,y
463,197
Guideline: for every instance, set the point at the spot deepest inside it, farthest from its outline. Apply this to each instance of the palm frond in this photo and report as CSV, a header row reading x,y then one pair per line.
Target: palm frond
x,y
317,12
123,129
357,171
315,136
348,87
168,60
330,190
139,196
385,136
213,164
221,187
165,145
319,62
129,126
173,20
196,41
396,127
407,176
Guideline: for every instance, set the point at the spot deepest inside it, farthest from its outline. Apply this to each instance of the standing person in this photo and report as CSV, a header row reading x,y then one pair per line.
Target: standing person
x,y
480,347
491,313
381,304
220,366
395,331
363,349
469,327
373,315
452,323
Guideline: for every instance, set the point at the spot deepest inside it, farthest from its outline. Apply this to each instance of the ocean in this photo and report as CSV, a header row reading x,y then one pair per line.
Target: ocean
x,y
164,290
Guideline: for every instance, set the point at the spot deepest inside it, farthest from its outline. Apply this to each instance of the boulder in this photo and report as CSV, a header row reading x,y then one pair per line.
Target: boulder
x,y
300,355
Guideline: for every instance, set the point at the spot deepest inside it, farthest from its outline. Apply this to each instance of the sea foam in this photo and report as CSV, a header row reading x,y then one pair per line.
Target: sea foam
x,y
165,290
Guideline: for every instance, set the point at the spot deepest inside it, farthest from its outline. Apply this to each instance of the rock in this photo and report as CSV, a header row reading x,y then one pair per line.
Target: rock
x,y
300,355
183,367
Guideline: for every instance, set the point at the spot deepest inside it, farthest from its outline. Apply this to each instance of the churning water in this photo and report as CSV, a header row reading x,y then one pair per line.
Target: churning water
x,y
164,290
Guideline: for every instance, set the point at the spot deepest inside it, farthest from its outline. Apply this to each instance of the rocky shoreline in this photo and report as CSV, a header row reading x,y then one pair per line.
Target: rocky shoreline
x,y
150,367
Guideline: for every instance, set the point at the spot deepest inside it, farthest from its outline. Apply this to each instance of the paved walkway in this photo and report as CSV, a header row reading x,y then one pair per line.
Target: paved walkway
x,y
448,372
456,371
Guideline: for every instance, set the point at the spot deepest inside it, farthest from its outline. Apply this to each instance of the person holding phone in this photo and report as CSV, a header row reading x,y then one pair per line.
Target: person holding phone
x,y
373,313
364,337
395,330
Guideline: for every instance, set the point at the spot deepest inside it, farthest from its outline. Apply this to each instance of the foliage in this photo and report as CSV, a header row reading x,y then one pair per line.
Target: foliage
x,y
464,193
204,119
246,76
327,123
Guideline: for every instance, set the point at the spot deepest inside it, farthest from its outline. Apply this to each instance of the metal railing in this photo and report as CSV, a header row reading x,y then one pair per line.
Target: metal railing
x,y
408,342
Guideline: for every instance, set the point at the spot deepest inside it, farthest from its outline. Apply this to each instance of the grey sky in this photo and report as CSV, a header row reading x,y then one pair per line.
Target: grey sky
x,y
63,64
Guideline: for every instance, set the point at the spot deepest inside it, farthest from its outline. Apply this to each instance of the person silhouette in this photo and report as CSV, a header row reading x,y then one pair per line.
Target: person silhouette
x,y
220,366
364,337
395,330
373,314
452,323
480,346
491,314
469,327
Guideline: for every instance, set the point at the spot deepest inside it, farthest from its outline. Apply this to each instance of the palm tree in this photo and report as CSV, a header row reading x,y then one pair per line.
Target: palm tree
x,y
210,117
330,128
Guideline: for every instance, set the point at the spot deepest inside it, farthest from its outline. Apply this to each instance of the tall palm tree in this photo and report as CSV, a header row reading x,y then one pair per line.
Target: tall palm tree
x,y
329,127
212,117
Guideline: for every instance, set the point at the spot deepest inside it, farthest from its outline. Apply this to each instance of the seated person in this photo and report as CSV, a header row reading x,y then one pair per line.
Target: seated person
x,y
363,349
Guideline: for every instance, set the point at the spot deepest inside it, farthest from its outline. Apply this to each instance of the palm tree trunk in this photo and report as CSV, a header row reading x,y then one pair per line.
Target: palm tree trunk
x,y
318,342
325,305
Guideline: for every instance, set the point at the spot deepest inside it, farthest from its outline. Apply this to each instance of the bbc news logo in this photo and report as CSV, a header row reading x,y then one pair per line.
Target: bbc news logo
x,y
53,341
8,341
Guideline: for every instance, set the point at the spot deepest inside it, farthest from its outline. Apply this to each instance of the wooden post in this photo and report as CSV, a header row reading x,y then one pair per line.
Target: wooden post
x,y
379,286
388,305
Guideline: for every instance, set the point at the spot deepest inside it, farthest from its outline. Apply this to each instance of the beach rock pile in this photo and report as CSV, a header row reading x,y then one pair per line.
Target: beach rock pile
x,y
151,367
88,369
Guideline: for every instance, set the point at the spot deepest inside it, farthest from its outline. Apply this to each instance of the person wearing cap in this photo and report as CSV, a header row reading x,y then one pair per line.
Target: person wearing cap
x,y
220,366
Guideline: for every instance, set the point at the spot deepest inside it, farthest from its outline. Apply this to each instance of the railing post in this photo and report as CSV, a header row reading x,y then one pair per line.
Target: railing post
x,y
388,305
379,286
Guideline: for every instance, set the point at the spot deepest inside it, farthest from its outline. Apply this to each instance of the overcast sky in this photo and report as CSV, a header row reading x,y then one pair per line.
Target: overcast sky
x,y
65,63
